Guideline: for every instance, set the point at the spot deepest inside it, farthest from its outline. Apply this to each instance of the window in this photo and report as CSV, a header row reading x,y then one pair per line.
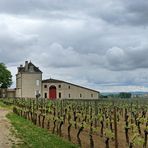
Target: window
x,y
59,86
45,95
92,95
59,95
45,86
80,95
31,69
69,87
69,95
37,82
37,92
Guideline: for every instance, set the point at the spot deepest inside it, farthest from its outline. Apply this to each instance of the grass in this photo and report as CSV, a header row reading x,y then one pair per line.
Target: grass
x,y
4,106
36,137
32,136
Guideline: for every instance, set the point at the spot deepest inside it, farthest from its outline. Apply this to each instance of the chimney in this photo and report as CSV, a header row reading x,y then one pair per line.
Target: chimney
x,y
19,68
26,65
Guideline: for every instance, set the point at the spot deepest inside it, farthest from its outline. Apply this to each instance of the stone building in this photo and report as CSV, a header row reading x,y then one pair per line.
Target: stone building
x,y
7,93
29,83
64,90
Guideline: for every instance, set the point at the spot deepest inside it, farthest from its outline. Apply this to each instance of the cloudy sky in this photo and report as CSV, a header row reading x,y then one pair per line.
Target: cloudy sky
x,y
101,44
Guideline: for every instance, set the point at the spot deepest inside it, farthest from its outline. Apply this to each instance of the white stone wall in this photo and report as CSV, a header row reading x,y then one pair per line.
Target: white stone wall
x,y
18,85
28,85
70,91
31,84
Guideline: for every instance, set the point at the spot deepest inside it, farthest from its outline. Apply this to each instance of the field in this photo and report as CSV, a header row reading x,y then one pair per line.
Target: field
x,y
90,124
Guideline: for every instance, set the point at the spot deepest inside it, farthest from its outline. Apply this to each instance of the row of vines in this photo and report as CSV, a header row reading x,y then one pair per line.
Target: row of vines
x,y
92,124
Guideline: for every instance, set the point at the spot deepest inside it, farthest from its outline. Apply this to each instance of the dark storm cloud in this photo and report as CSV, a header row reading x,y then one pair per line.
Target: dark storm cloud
x,y
138,11
117,12
28,6
128,13
14,46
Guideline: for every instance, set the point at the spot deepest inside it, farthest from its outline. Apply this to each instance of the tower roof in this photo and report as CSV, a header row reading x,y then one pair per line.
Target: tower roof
x,y
29,67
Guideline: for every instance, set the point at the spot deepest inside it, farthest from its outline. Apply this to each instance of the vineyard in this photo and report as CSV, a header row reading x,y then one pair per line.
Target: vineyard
x,y
90,124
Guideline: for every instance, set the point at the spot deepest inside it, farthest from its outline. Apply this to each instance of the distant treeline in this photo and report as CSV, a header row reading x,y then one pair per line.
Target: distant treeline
x,y
119,95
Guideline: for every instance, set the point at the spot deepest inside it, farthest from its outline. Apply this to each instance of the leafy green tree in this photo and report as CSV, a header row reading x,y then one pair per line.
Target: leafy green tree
x,y
125,95
5,76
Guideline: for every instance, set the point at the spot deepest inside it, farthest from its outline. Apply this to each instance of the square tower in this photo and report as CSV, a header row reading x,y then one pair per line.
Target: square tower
x,y
28,81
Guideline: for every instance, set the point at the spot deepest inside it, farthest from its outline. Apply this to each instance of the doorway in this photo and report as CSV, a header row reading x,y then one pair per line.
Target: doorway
x,y
52,92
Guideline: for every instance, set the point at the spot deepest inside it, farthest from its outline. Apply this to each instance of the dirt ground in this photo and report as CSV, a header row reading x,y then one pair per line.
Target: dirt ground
x,y
99,142
6,138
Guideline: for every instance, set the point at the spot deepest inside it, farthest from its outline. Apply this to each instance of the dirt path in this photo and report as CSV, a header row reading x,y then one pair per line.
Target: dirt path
x,y
6,137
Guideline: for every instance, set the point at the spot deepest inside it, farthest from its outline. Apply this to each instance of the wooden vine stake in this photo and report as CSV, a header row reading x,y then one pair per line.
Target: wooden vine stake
x,y
90,135
115,127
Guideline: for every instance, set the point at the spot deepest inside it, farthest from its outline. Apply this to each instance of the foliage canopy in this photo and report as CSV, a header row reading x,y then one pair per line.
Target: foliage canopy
x,y
5,76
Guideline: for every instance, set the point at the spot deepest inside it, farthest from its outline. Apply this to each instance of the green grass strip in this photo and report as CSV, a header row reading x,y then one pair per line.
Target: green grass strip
x,y
2,105
36,137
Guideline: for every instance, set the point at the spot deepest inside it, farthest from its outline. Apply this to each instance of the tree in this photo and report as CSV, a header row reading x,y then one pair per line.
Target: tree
x,y
5,76
125,95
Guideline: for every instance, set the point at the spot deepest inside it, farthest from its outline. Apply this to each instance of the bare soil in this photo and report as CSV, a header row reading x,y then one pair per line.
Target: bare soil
x,y
7,139
99,142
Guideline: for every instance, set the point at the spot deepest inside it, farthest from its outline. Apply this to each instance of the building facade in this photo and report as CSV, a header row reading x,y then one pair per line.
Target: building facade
x,y
54,89
29,83
7,93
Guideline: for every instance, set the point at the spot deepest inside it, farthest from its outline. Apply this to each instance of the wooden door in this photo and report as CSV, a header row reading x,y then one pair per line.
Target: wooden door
x,y
52,92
